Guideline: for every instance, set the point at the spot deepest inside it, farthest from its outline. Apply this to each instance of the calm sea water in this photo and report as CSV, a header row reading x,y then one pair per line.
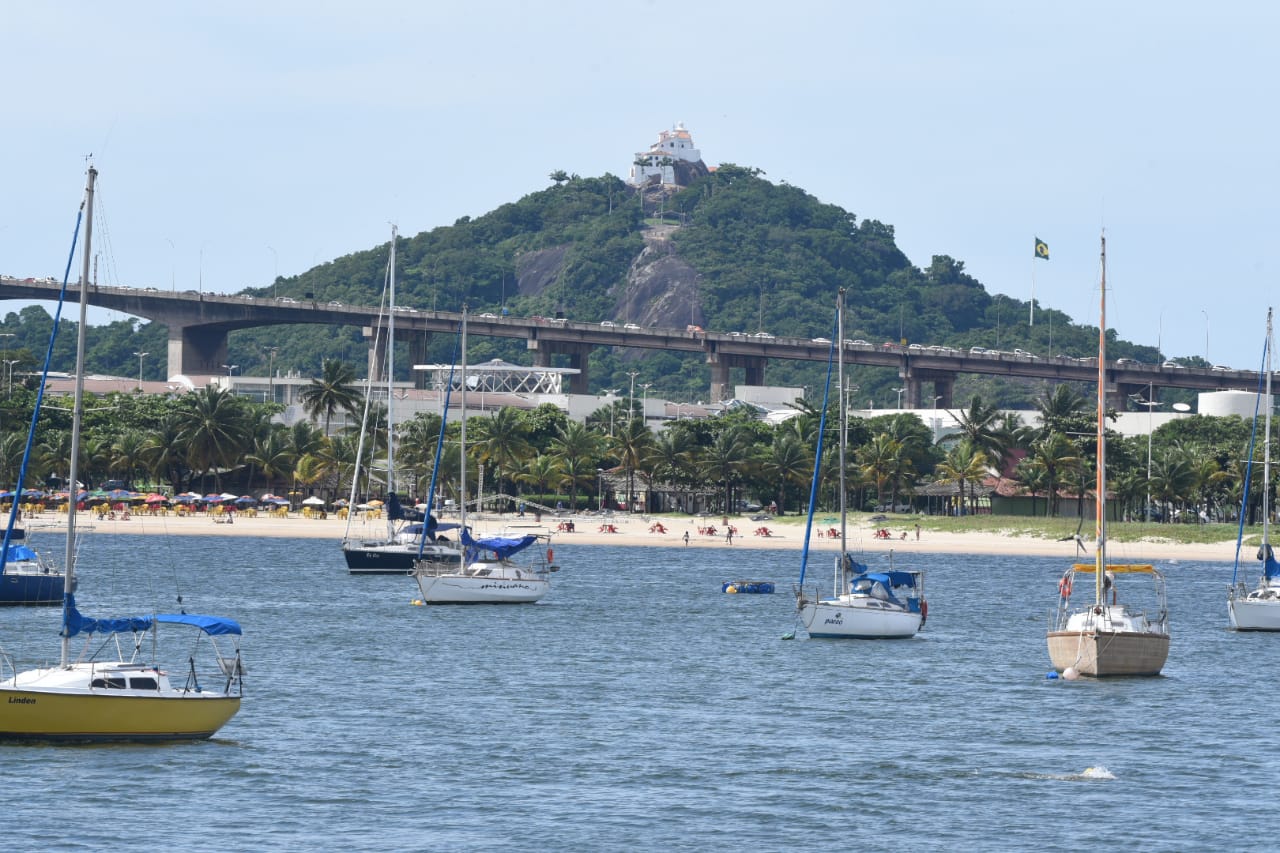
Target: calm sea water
x,y
639,708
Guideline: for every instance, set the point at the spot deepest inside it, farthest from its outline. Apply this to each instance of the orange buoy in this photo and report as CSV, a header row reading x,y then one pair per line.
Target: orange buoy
x,y
551,555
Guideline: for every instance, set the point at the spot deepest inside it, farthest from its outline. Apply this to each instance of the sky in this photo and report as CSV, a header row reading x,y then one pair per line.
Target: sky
x,y
236,141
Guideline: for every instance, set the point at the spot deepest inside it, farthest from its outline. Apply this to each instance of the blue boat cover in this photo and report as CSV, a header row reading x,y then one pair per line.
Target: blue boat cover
x,y
73,622
500,545
1270,568
19,552
892,578
213,625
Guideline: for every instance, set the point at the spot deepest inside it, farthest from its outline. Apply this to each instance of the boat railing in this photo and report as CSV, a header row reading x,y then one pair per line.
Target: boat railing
x,y
7,668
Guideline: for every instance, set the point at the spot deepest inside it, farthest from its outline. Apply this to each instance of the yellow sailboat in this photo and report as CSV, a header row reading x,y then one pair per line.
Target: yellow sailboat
x,y
126,697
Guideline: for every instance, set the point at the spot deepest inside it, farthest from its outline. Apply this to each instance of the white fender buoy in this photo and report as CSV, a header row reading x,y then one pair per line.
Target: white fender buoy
x,y
1070,673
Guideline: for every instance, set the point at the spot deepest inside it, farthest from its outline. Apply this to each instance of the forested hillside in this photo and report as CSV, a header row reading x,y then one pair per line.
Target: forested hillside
x,y
731,252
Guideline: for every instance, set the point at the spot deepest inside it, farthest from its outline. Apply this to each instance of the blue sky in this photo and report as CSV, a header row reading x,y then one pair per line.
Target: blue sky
x,y
237,140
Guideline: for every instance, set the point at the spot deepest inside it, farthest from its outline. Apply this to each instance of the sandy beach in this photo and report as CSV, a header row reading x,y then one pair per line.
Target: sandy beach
x,y
787,534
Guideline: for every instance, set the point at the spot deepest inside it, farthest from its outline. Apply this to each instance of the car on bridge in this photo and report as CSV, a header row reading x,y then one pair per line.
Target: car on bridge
x,y
608,324
631,326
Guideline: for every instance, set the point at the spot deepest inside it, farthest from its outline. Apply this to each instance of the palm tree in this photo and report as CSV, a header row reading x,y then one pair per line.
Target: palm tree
x,y
540,472
576,449
724,460
671,459
273,457
984,427
499,442
164,455
881,461
789,461
630,446
964,464
1056,458
334,390
213,429
126,454
1064,410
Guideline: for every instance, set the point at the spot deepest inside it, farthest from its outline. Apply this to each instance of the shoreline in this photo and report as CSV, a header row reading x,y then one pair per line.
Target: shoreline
x,y
635,532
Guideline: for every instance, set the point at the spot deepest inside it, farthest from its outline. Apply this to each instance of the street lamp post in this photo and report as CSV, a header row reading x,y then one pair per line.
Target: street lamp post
x,y
230,367
8,364
600,489
271,372
141,356
1150,404
900,392
644,400
631,400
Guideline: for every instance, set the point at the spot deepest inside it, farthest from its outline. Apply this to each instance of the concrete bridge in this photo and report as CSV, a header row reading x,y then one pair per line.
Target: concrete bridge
x,y
198,324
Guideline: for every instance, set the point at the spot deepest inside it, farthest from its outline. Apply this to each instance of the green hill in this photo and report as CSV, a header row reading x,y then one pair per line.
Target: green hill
x,y
732,251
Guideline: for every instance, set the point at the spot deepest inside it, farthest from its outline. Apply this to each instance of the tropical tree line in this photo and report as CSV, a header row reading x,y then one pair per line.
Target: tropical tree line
x,y
212,440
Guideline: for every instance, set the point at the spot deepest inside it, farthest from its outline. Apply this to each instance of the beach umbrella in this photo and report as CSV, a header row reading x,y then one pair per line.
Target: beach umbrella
x,y
375,503
119,495
245,500
313,501
5,495
155,498
227,496
341,502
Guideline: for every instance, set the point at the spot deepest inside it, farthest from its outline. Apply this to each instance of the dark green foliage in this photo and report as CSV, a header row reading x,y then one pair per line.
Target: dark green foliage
x,y
766,257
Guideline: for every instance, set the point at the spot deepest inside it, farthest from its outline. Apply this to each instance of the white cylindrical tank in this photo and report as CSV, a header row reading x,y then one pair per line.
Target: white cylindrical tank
x,y
1223,403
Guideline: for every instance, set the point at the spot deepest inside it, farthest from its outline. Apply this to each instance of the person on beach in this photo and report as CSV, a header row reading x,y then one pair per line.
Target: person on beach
x,y
728,536
686,539
917,533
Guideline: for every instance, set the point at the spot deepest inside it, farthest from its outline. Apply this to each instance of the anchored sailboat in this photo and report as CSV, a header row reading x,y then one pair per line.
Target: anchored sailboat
x,y
864,604
1106,636
410,535
124,698
484,572
1258,609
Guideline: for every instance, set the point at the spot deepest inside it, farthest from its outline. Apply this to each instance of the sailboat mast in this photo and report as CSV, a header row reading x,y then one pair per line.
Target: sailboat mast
x,y
391,362
78,407
840,401
462,445
1100,524
1266,457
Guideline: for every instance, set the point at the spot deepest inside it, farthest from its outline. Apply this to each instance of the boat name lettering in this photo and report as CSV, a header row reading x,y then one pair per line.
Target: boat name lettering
x,y
21,700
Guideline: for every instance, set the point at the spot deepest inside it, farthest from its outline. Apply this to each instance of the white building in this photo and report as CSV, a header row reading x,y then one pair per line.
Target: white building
x,y
672,145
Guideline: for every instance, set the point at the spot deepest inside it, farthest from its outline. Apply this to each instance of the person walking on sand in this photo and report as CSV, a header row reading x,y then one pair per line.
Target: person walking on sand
x,y
728,536
917,533
686,539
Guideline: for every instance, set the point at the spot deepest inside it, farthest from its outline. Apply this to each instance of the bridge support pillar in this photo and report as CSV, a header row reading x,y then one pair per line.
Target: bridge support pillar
x,y
377,338
753,367
196,350
944,386
579,359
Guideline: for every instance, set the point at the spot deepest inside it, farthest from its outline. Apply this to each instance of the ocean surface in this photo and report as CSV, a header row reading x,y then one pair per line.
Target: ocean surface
x,y
640,708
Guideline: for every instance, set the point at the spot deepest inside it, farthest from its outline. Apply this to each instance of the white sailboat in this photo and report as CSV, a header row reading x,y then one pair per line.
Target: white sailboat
x,y
127,697
1105,636
485,572
1258,608
396,551
863,604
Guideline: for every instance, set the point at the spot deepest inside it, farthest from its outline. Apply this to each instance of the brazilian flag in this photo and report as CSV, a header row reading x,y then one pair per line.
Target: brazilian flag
x,y
1042,249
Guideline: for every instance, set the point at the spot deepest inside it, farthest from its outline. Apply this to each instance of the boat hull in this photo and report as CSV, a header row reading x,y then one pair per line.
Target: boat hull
x,y
102,715
1108,653
22,588
388,559
830,619
1254,614
481,583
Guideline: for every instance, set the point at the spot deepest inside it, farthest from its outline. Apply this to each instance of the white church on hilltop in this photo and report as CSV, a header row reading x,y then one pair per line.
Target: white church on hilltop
x,y
659,162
